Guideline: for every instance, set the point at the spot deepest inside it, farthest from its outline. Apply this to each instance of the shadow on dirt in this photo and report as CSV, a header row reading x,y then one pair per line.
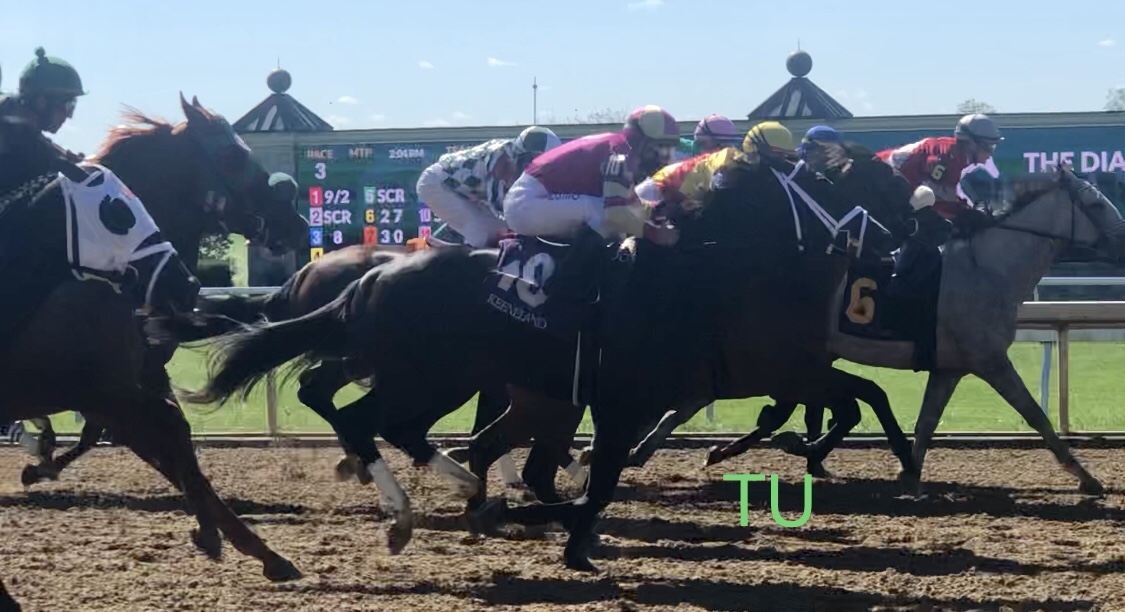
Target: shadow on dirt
x,y
951,561
508,590
67,500
881,498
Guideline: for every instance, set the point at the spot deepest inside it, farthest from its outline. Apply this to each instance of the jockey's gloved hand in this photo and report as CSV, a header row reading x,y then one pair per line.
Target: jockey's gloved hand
x,y
660,234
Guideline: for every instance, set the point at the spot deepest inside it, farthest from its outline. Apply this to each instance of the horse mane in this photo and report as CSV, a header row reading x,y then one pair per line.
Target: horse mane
x,y
972,222
137,124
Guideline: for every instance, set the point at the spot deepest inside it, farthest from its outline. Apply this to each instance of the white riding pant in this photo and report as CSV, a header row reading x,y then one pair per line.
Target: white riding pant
x,y
532,211
475,221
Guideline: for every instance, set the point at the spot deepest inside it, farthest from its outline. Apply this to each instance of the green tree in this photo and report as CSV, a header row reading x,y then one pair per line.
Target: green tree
x,y
972,106
607,115
1115,99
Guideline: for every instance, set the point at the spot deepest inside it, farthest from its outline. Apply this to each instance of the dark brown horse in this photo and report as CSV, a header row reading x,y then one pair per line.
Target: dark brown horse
x,y
75,344
195,178
313,286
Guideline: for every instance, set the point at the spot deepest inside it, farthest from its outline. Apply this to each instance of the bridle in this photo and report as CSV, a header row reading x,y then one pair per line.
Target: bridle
x,y
1076,190
226,185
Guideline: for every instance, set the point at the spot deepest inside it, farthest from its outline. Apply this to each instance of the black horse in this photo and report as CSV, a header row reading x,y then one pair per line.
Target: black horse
x,y
421,328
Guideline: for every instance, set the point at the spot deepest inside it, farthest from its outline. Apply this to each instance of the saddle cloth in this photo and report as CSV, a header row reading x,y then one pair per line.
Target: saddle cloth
x,y
105,225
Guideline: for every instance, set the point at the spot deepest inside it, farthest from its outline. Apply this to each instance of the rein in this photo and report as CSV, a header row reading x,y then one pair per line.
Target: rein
x,y
1065,182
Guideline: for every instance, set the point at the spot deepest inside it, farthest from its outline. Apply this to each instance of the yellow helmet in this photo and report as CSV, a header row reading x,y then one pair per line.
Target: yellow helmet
x,y
769,135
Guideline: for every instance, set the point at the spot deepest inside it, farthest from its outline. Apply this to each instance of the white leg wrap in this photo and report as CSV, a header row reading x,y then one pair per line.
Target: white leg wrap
x,y
577,473
463,480
508,471
389,487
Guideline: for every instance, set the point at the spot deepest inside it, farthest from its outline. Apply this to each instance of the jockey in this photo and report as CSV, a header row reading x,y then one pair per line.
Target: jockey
x,y
686,182
712,133
823,150
582,192
587,182
768,138
939,162
48,93
467,188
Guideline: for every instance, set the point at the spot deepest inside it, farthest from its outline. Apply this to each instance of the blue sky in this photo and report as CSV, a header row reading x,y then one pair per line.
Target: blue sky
x,y
371,63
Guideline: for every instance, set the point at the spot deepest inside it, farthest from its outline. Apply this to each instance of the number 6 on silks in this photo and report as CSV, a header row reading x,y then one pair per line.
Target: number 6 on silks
x,y
533,276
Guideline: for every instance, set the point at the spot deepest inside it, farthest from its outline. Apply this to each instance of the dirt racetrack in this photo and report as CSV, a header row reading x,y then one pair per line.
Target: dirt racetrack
x,y
1001,528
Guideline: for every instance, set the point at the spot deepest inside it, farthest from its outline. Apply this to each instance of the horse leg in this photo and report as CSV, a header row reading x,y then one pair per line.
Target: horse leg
x,y
672,419
318,387
511,429
553,436
1007,382
870,393
770,419
157,430
49,469
356,425
579,516
491,404
939,389
7,602
814,426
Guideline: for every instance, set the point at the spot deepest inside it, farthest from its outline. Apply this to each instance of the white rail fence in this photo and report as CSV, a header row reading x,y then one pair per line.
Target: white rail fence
x,y
1053,324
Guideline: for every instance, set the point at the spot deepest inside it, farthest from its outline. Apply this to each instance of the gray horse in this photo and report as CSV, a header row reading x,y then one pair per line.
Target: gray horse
x,y
985,277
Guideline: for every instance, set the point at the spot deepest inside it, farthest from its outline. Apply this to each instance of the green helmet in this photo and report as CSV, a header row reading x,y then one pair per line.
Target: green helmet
x,y
50,75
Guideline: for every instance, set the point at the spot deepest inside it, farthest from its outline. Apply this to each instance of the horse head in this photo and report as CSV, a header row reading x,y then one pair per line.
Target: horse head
x,y
209,176
1067,209
780,206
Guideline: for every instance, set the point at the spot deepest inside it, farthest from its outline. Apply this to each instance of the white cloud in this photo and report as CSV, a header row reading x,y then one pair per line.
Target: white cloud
x,y
459,115
347,100
376,118
424,65
496,63
867,105
337,120
435,123
859,93
645,5
1109,42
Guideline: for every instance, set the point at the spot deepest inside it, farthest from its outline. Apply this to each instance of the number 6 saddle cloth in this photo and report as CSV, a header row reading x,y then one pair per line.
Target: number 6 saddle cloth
x,y
872,305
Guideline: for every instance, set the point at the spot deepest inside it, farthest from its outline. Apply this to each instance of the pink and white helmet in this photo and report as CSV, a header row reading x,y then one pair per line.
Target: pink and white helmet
x,y
718,127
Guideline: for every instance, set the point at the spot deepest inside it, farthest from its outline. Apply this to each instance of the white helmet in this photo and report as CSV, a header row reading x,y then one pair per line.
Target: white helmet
x,y
536,140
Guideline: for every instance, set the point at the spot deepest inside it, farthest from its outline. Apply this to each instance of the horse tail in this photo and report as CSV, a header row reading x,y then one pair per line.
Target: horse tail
x,y
245,357
222,314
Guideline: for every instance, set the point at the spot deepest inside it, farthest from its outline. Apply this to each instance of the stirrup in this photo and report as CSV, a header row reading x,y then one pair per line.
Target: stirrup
x,y
437,242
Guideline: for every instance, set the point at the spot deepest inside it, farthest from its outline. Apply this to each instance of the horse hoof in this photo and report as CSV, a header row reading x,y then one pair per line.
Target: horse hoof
x,y
789,442
346,468
398,536
485,519
911,482
281,569
714,455
1092,487
458,455
584,456
209,542
580,563
816,470
29,475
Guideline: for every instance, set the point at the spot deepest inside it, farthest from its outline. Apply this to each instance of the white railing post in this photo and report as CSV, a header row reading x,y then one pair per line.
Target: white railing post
x,y
1045,378
1064,379
271,404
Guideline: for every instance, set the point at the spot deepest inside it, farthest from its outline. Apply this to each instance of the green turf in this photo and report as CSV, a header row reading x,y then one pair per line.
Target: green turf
x,y
1095,400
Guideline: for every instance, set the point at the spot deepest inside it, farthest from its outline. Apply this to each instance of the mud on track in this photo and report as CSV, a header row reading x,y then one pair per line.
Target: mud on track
x,y
1001,528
